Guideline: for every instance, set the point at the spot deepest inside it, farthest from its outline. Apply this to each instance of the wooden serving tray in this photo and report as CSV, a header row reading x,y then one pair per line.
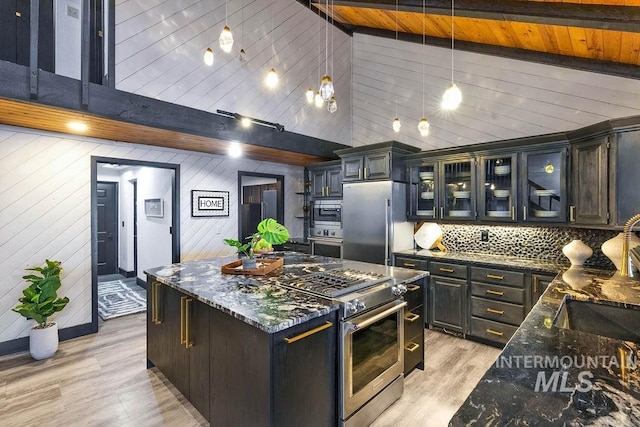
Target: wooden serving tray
x,y
268,265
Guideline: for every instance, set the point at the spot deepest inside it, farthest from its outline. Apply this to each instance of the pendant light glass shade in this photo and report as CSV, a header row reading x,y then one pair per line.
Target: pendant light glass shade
x,y
208,57
319,102
272,78
326,88
243,56
309,94
423,127
226,39
332,105
452,98
396,125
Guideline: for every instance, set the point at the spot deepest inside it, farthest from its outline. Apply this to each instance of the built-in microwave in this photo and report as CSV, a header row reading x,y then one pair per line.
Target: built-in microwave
x,y
326,213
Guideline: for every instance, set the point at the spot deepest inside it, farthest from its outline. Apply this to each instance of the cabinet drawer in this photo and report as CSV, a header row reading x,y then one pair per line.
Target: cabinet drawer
x,y
498,311
448,270
418,264
414,295
413,323
490,330
492,275
497,292
414,357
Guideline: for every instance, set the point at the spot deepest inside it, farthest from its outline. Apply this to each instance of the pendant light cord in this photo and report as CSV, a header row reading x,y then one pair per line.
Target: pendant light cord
x,y
326,39
242,25
452,37
226,13
396,78
332,25
424,2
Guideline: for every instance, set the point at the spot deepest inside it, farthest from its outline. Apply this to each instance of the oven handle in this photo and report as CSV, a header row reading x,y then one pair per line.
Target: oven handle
x,y
379,314
329,242
387,226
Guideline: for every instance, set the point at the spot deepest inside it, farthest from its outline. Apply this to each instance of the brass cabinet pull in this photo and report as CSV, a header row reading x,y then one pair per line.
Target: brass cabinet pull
x,y
359,174
494,311
492,292
493,276
306,334
491,331
535,284
513,213
365,173
187,330
152,303
412,347
156,304
182,339
524,212
413,288
411,317
434,211
572,213
446,270
408,264
441,212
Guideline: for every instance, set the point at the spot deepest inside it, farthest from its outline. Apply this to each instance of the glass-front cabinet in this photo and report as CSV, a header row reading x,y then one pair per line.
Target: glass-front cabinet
x,y
544,186
497,189
423,191
458,190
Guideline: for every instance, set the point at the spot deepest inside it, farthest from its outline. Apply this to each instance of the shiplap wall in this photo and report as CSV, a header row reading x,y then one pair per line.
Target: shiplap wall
x,y
45,211
502,98
160,44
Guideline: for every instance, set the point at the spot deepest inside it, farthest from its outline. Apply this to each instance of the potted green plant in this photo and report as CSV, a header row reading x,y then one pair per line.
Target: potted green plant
x,y
40,301
269,230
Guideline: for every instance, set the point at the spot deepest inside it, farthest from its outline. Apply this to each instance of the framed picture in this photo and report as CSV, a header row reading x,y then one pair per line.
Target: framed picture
x,y
209,203
154,207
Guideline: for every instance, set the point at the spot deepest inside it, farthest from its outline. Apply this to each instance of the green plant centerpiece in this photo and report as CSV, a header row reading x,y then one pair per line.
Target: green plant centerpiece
x,y
39,302
269,232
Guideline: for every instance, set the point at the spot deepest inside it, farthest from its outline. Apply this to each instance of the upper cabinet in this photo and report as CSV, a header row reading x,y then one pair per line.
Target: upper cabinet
x,y
625,175
380,161
458,190
498,188
544,185
590,181
423,190
326,180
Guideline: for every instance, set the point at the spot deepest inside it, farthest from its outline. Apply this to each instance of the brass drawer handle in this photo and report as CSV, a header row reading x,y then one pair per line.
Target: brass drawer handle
x,y
412,347
306,334
359,174
182,334
535,284
156,306
413,288
492,292
491,331
154,316
187,330
493,276
494,311
447,270
365,173
411,317
408,264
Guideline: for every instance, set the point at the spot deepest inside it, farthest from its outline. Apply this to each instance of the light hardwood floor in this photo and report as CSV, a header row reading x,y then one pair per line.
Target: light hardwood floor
x,y
102,380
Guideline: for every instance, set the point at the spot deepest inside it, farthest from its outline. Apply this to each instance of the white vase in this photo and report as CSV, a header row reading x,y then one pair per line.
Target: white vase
x,y
43,343
577,252
612,248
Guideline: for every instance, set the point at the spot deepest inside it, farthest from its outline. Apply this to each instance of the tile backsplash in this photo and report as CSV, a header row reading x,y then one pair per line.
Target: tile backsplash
x,y
527,242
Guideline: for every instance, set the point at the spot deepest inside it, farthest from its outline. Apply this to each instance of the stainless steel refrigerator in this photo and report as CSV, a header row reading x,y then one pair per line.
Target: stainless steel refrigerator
x,y
253,213
374,221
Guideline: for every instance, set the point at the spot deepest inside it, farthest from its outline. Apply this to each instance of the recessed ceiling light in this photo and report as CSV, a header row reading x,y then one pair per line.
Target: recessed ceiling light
x,y
77,126
246,122
235,150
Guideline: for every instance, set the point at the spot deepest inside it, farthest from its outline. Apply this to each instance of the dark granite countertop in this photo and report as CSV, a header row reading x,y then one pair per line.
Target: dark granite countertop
x,y
552,376
541,265
260,300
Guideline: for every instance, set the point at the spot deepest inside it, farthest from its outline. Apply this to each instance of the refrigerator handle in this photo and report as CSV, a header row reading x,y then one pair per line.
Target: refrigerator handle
x,y
262,208
387,228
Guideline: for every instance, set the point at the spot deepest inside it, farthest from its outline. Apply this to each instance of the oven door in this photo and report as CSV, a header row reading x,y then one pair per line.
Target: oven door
x,y
372,354
326,247
323,214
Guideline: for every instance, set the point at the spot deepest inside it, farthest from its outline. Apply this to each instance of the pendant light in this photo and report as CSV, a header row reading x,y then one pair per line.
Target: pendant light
x,y
226,38
332,105
452,96
309,94
423,125
318,100
396,122
242,56
272,76
326,84
208,56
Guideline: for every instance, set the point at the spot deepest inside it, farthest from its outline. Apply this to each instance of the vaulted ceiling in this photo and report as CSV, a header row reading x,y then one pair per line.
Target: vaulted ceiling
x,y
596,35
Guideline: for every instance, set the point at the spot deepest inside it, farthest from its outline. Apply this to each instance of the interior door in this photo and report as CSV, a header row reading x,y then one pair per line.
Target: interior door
x,y
107,206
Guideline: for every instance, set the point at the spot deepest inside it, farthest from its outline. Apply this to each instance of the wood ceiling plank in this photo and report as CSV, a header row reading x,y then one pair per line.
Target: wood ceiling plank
x,y
563,40
595,43
579,42
630,48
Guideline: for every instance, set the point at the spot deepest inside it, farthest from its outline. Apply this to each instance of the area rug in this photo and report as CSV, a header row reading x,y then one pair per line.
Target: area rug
x,y
117,298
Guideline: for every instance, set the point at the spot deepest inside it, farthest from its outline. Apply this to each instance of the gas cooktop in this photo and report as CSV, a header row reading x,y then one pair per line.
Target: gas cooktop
x,y
337,282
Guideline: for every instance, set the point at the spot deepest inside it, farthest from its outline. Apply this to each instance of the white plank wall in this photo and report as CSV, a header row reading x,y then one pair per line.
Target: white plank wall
x,y
502,98
160,44
45,211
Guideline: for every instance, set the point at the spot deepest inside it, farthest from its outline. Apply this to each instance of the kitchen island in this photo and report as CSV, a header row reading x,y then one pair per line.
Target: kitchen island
x,y
245,350
553,373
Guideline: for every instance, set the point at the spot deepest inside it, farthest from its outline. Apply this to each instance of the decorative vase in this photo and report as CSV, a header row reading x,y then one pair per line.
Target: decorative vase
x,y
249,263
43,342
577,252
612,248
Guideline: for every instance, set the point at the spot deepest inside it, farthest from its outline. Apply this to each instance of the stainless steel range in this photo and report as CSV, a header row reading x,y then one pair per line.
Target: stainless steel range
x,y
371,337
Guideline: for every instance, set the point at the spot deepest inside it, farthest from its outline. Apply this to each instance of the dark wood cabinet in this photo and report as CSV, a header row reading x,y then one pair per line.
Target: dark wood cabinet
x,y
253,193
590,182
326,180
625,174
414,324
352,168
381,161
539,283
448,302
377,166
498,188
544,185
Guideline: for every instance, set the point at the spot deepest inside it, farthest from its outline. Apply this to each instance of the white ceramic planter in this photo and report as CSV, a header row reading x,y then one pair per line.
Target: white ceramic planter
x,y
43,343
577,252
612,248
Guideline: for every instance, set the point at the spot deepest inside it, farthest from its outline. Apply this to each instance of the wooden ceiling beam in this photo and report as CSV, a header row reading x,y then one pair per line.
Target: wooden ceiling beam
x,y
596,16
595,66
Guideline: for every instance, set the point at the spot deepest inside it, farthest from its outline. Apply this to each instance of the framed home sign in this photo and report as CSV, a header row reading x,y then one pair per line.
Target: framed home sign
x,y
209,203
154,208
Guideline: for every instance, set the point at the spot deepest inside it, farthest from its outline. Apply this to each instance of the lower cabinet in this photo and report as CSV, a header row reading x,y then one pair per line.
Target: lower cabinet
x,y
539,283
448,302
414,327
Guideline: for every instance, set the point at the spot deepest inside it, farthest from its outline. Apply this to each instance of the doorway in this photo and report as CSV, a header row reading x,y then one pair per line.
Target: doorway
x,y
260,196
134,227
